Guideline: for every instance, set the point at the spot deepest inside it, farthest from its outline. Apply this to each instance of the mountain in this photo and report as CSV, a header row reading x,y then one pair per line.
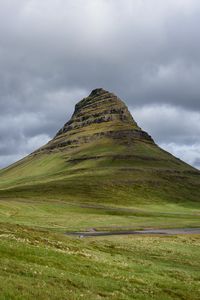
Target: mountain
x,y
101,115
102,155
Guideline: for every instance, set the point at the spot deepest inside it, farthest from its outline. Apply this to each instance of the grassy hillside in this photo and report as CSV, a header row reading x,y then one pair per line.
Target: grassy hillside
x,y
66,191
104,172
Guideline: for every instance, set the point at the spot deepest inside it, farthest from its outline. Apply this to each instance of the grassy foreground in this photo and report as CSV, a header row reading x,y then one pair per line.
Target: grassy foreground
x,y
42,265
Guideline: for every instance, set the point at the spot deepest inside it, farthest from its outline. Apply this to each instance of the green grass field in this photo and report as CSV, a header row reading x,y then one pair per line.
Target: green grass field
x,y
38,261
106,187
44,265
62,216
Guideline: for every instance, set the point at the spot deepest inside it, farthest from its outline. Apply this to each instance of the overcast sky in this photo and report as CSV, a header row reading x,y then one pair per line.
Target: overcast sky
x,y
54,52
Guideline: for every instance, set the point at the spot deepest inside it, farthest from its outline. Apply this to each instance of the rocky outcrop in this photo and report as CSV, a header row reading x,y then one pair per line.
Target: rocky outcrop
x,y
100,106
101,115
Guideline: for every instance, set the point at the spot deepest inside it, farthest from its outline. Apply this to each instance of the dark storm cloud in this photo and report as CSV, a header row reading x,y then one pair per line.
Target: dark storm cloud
x,y
52,53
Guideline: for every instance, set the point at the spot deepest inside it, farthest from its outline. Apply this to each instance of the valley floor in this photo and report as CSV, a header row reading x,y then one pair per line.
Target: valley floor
x,y
62,216
38,261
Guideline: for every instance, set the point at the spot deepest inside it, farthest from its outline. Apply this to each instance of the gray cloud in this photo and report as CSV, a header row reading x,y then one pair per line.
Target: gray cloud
x,y
52,53
169,123
188,153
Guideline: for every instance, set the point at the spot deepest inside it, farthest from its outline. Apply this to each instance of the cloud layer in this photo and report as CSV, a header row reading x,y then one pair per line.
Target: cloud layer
x,y
175,129
53,53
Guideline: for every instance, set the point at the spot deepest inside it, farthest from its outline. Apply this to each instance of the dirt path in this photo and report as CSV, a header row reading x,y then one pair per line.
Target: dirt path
x,y
171,231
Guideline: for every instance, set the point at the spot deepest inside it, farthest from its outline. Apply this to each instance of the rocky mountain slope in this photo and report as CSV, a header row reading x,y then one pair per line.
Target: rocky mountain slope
x,y
100,115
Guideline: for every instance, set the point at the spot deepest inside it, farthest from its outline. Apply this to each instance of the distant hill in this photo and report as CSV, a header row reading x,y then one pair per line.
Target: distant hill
x,y
102,155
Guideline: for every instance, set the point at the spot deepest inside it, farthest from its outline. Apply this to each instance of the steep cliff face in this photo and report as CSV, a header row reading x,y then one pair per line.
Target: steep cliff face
x,y
100,115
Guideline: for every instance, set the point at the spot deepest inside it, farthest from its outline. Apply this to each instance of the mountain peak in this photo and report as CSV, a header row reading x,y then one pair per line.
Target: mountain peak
x,y
101,115
96,96
97,92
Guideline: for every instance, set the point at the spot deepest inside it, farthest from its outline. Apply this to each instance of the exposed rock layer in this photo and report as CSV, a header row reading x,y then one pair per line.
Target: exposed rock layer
x,y
100,115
